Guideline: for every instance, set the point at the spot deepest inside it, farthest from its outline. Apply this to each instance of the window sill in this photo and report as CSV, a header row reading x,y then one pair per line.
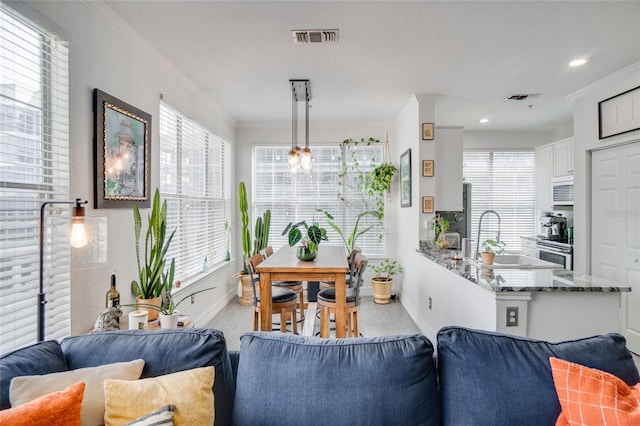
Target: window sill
x,y
194,279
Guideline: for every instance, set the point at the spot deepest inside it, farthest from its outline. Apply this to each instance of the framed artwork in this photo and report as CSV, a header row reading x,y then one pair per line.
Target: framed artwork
x,y
427,168
427,204
122,153
405,179
619,114
427,131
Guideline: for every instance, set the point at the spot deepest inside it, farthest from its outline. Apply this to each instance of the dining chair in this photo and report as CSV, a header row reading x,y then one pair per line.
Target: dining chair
x,y
283,301
290,285
327,300
350,258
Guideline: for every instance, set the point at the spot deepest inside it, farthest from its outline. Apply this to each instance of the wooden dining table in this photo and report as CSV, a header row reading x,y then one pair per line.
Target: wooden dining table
x,y
330,264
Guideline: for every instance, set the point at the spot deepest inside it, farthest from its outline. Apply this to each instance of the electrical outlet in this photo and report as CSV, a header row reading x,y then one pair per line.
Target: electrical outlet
x,y
512,316
193,299
430,302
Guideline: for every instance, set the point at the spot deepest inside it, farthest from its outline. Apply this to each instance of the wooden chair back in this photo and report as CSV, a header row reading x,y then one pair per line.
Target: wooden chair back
x,y
252,264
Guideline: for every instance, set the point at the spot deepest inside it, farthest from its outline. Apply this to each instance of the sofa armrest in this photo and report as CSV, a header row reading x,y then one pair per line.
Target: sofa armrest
x,y
234,356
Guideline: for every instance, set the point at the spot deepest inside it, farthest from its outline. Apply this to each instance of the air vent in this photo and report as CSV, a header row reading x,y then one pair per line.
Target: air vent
x,y
315,36
521,96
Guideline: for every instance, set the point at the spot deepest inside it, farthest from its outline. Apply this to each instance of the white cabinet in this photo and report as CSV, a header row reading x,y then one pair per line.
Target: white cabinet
x,y
544,174
563,157
528,246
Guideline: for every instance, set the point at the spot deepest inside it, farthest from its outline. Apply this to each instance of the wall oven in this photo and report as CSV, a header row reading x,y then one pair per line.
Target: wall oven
x,y
556,252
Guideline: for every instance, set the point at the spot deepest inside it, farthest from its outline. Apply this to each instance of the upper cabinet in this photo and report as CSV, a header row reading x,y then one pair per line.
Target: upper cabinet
x,y
563,157
552,160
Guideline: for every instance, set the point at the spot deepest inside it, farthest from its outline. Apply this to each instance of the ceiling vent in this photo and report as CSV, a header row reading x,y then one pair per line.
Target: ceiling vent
x,y
315,36
521,96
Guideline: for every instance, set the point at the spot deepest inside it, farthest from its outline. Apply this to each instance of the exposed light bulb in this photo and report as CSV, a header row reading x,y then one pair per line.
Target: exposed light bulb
x,y
305,160
78,233
294,161
483,120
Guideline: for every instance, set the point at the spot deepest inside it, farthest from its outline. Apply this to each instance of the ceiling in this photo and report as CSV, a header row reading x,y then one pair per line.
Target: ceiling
x,y
471,54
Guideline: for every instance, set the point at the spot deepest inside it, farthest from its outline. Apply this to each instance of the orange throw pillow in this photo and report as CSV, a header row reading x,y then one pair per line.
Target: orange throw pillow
x,y
61,408
593,397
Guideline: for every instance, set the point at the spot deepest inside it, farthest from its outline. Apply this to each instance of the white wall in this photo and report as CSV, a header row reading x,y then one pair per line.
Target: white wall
x,y
106,53
585,140
507,140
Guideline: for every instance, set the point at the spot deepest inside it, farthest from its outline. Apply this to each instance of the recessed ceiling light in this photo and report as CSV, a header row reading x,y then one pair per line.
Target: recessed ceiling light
x,y
578,62
483,120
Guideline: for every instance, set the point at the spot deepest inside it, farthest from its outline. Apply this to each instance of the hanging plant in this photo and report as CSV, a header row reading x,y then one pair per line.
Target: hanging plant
x,y
378,182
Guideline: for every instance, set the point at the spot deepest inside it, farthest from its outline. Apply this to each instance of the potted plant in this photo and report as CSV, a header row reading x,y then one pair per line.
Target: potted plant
x,y
154,281
168,314
263,224
378,182
350,241
491,248
308,243
382,282
440,226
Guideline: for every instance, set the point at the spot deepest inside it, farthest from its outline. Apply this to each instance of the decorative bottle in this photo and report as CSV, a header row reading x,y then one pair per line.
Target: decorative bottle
x,y
113,296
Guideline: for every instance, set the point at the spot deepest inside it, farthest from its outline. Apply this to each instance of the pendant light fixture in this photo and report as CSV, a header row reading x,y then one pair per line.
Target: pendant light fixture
x,y
300,91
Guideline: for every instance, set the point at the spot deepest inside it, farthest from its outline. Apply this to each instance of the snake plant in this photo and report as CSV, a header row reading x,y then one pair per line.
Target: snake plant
x,y
153,280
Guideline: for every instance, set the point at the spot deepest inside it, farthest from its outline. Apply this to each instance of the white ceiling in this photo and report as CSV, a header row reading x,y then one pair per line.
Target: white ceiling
x,y
472,54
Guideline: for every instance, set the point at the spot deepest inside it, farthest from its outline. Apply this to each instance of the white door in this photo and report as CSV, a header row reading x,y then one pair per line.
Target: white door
x,y
615,244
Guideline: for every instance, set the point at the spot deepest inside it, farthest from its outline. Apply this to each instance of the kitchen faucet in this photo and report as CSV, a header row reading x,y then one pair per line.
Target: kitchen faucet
x,y
477,253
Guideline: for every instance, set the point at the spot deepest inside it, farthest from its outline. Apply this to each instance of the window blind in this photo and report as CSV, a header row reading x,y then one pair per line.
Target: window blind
x,y
195,179
34,167
504,181
296,198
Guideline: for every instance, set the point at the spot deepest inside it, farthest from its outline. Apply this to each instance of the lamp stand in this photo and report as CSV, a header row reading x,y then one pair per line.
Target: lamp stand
x,y
78,211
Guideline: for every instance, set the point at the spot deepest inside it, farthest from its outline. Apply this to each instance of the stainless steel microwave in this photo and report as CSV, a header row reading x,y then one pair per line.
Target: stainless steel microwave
x,y
562,190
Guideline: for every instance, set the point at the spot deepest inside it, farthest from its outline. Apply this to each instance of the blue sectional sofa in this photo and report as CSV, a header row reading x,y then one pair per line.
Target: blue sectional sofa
x,y
476,378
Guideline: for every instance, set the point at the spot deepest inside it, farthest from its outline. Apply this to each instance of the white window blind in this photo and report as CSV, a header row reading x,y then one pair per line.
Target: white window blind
x,y
34,167
504,181
297,198
195,179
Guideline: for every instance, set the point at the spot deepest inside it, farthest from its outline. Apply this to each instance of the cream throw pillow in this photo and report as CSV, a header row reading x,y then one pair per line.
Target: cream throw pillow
x,y
27,388
190,391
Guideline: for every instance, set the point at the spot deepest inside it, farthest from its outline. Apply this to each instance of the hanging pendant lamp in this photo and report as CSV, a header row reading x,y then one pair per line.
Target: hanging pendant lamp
x,y
300,91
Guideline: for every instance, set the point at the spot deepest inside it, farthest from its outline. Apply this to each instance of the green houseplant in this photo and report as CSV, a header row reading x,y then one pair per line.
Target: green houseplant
x,y
490,249
378,182
261,232
309,241
154,280
440,226
382,282
349,241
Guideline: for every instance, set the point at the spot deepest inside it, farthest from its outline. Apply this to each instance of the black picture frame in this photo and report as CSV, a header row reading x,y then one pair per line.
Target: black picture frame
x,y
405,179
612,108
122,153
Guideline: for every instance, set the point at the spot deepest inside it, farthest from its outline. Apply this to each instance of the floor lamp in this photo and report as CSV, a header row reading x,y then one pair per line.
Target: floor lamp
x,y
78,239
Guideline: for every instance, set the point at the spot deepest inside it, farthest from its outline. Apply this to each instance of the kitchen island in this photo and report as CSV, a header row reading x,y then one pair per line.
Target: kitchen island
x,y
547,304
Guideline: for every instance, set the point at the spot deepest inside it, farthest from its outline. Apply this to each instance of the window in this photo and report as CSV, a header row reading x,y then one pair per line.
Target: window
x,y
34,167
504,181
195,179
297,198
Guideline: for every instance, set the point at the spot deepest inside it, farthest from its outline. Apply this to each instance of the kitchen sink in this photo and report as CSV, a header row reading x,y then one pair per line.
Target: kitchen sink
x,y
516,261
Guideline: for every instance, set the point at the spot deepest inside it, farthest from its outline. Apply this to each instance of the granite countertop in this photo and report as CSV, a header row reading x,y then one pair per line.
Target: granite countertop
x,y
509,280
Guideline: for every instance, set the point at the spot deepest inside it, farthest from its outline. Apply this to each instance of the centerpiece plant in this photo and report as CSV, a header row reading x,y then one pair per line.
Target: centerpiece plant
x,y
309,241
154,279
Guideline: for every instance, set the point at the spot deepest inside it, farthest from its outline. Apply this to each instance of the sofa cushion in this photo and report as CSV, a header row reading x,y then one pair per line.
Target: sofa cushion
x,y
495,379
27,388
189,391
40,358
164,352
60,408
594,397
286,379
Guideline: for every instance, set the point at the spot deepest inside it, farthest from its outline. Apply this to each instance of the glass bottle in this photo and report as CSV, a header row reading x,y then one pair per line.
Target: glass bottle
x,y
113,296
